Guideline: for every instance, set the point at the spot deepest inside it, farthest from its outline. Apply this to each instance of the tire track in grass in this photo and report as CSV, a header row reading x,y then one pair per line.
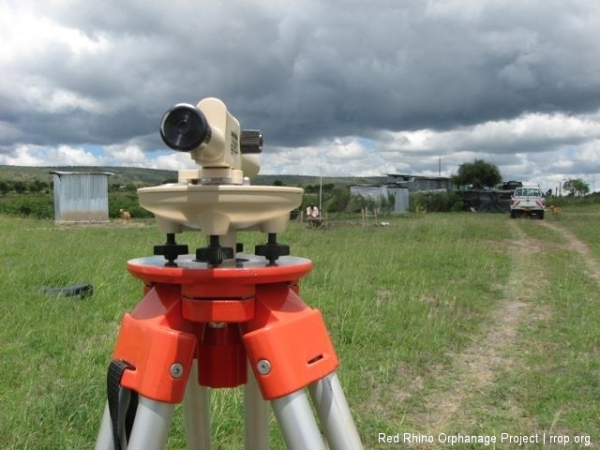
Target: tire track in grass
x,y
475,369
580,247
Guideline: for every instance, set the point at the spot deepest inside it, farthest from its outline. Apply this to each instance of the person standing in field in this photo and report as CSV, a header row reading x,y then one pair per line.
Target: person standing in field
x,y
312,214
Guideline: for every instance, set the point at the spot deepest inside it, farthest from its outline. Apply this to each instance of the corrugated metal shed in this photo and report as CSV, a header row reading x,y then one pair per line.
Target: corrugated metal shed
x,y
81,196
416,183
375,192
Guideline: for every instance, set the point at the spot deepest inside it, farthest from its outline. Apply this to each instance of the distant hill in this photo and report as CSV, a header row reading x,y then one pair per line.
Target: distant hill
x,y
122,175
149,177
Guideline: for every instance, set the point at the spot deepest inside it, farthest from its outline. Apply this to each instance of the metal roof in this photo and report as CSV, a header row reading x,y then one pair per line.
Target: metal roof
x,y
61,173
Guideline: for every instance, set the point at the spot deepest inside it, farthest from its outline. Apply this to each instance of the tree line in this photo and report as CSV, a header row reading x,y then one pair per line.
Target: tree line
x,y
22,187
480,175
35,197
37,186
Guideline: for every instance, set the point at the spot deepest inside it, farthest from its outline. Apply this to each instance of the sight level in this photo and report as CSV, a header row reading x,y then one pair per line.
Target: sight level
x,y
219,317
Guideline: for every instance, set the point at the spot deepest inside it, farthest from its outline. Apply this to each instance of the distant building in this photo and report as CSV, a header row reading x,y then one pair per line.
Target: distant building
x,y
81,196
418,183
400,186
371,192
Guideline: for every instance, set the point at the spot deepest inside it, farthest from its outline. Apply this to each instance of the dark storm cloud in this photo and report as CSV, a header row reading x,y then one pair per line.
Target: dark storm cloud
x,y
302,72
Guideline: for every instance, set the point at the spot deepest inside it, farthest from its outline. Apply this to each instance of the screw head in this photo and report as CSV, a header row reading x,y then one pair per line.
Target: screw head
x,y
176,370
263,367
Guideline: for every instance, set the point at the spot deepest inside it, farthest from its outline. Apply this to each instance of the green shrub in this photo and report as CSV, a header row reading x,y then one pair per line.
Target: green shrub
x,y
41,205
436,202
127,201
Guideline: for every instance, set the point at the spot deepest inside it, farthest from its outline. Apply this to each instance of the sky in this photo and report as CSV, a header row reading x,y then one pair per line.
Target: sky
x,y
338,87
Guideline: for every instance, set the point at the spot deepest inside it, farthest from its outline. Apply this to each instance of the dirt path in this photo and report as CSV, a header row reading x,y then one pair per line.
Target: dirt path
x,y
578,246
475,369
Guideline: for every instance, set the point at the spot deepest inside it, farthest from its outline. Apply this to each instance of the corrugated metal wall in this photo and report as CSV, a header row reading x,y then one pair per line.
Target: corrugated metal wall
x,y
401,195
81,196
430,184
417,183
375,192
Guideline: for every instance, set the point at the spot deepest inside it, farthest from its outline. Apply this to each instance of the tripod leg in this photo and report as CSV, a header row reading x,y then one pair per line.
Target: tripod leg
x,y
297,422
256,416
334,414
196,412
105,436
105,440
151,426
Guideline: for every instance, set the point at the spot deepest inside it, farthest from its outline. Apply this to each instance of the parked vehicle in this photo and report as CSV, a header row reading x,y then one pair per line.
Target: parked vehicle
x,y
527,200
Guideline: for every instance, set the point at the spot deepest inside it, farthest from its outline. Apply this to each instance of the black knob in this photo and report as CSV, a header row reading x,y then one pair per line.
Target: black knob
x,y
251,141
272,250
214,254
171,250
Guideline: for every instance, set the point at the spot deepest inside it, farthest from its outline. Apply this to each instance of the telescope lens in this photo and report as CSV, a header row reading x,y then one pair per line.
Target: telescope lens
x,y
184,128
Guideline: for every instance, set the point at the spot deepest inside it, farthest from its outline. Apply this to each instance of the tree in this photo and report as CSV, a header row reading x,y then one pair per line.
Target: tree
x,y
37,186
387,203
4,187
337,200
576,187
479,173
19,187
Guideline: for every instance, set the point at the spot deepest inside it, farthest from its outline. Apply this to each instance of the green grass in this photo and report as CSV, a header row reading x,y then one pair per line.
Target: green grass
x,y
402,304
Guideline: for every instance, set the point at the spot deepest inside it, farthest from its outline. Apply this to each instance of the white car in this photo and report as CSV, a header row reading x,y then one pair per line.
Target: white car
x,y
527,201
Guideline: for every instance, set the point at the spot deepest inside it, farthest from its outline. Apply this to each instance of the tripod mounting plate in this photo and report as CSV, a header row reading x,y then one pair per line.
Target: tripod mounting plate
x,y
221,208
245,269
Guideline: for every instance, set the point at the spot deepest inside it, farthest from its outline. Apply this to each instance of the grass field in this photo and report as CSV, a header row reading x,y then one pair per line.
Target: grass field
x,y
447,326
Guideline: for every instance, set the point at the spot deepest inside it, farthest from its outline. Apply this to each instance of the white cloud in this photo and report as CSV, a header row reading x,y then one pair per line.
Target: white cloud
x,y
530,133
170,161
31,155
127,155
353,150
56,100
24,155
74,156
26,32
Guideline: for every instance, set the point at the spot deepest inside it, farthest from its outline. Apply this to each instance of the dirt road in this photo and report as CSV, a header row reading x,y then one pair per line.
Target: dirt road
x,y
475,370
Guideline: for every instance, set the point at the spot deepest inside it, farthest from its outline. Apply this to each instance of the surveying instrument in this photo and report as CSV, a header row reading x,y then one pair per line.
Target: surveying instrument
x,y
222,318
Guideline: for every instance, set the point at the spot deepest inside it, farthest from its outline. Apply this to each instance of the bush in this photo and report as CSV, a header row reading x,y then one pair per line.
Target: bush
x,y
127,201
337,200
39,206
436,202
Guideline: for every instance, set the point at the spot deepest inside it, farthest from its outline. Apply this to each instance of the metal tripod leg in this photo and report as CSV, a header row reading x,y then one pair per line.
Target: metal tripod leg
x,y
105,436
196,410
105,439
297,422
283,375
151,426
334,413
256,416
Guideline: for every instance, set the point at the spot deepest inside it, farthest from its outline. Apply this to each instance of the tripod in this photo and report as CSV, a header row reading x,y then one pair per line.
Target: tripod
x,y
194,330
219,319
